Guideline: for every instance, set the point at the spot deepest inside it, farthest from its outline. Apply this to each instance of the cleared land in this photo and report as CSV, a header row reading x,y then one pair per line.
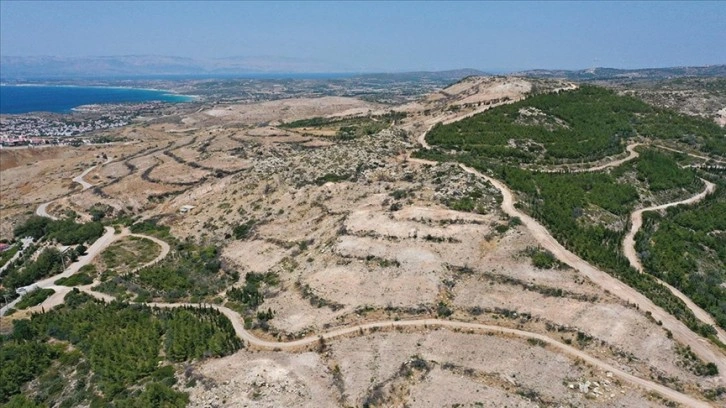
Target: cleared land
x,y
295,235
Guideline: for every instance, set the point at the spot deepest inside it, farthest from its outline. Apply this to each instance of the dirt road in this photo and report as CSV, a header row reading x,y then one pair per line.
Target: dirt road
x,y
681,333
636,222
632,155
42,211
252,341
106,239
79,178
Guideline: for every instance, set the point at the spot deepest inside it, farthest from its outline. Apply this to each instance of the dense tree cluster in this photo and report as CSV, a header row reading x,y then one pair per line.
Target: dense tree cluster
x,y
587,124
584,125
190,271
48,263
65,231
686,247
661,172
119,353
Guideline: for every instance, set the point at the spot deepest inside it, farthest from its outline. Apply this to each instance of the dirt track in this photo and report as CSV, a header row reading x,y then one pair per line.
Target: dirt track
x,y
680,332
42,211
253,341
632,155
362,329
636,222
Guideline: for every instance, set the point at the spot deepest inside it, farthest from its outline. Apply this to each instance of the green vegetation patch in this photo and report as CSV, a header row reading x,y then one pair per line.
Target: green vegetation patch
x,y
190,272
248,298
48,263
587,212
594,121
77,279
245,229
153,228
120,355
129,253
65,231
559,200
34,298
585,125
8,253
686,247
661,171
347,128
542,258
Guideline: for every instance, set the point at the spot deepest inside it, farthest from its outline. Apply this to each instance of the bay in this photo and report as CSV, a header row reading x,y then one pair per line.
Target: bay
x,y
15,99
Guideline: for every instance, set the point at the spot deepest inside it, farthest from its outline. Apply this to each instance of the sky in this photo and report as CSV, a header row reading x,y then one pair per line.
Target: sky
x,y
378,36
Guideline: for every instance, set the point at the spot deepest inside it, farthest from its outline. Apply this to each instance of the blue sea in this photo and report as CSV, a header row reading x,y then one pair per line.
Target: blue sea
x,y
62,99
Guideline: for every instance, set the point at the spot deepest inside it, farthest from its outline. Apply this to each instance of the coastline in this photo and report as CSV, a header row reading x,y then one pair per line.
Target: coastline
x,y
34,85
84,95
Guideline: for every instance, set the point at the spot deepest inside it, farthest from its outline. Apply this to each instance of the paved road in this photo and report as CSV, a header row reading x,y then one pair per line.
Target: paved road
x,y
636,222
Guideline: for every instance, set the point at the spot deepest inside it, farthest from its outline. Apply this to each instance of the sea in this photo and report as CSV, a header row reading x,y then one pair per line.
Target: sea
x,y
16,99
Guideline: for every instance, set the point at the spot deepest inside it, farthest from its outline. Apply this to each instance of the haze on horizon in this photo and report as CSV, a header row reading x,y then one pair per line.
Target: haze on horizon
x,y
378,37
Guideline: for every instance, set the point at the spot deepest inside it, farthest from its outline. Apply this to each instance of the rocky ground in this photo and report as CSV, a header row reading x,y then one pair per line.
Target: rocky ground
x,y
358,232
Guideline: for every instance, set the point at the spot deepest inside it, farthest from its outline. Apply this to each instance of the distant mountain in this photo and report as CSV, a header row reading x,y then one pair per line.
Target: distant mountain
x,y
450,75
595,74
154,65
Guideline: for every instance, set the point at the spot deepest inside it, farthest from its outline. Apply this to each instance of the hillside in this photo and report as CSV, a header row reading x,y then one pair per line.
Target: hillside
x,y
339,252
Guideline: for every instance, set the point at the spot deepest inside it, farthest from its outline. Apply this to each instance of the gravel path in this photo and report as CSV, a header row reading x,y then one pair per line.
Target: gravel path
x,y
681,333
636,222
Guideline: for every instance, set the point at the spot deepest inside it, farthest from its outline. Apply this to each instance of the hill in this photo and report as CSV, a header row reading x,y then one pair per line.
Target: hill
x,y
597,74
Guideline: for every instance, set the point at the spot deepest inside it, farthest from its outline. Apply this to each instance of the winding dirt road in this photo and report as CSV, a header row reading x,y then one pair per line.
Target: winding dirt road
x,y
636,222
94,250
632,155
106,239
42,211
79,178
251,341
681,333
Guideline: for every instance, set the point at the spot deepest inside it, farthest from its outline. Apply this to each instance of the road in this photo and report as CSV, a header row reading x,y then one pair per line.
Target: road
x,y
251,341
636,222
79,178
42,211
632,155
94,250
681,333
106,239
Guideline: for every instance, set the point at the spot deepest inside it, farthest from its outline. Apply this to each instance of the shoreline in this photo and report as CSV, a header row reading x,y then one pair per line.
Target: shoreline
x,y
168,92
159,95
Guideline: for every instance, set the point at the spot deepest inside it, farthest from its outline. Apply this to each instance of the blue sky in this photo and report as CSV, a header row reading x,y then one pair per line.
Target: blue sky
x,y
379,36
